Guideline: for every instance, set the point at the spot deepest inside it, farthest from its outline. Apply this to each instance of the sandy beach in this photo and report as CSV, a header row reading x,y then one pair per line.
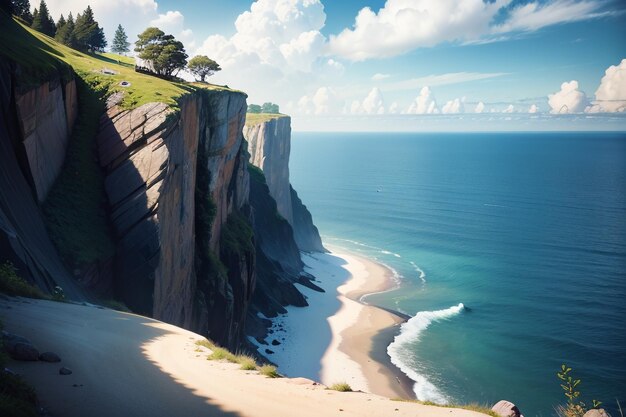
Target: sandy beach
x,y
129,365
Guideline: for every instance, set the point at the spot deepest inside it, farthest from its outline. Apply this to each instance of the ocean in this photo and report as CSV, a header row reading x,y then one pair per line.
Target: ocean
x,y
510,249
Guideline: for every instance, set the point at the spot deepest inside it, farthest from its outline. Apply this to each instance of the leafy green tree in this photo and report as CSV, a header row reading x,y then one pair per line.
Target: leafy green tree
x,y
42,21
89,35
163,53
254,108
270,108
65,33
120,42
21,9
202,66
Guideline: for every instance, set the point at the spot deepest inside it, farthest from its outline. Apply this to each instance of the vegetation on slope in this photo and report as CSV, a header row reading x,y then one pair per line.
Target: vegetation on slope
x,y
257,118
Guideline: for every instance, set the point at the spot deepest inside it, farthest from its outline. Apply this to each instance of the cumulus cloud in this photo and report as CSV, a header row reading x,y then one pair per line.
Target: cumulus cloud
x,y
402,25
479,107
324,101
374,103
393,109
454,106
509,109
379,77
424,103
568,100
533,109
611,94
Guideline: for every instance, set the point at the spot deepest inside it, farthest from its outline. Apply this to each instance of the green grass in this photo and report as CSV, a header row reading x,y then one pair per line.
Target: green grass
x,y
341,387
205,343
119,59
220,353
14,285
256,118
269,371
472,407
248,363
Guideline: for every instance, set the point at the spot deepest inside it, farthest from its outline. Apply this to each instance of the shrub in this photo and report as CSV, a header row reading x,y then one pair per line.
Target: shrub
x,y
247,362
12,284
220,353
574,406
269,371
341,387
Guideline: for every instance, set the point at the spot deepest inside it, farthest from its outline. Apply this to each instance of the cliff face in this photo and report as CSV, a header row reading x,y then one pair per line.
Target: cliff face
x,y
33,136
158,164
270,146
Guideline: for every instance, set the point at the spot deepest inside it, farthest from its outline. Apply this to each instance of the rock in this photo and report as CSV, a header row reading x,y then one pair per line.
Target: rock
x,y
49,357
506,409
597,412
24,352
269,351
9,341
65,371
275,342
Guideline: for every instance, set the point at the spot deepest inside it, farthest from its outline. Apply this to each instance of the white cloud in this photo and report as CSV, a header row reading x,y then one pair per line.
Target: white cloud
x,y
324,101
424,103
533,109
380,77
393,109
403,25
568,100
374,103
509,109
479,107
454,106
168,20
611,94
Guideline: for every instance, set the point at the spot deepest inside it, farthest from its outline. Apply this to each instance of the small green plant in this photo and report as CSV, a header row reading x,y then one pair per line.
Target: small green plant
x,y
269,371
574,407
205,343
220,353
341,387
247,362
12,284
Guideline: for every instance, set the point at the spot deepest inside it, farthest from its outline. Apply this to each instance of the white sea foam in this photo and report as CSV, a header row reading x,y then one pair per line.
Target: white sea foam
x,y
402,356
395,276
422,274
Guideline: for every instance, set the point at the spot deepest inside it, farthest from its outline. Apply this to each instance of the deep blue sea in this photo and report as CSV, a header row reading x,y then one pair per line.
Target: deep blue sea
x,y
526,230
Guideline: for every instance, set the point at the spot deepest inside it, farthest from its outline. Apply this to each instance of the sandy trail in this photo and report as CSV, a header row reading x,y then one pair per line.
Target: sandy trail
x,y
128,365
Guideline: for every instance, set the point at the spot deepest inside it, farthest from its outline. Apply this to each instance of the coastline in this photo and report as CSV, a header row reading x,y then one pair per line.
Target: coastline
x,y
361,332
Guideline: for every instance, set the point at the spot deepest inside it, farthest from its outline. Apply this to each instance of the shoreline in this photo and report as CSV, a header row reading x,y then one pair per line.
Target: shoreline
x,y
361,332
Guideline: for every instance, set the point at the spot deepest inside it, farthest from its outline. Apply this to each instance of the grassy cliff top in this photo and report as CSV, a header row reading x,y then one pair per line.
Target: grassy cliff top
x,y
257,118
40,57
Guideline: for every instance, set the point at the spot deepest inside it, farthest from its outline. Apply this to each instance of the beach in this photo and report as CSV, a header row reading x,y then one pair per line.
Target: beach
x,y
344,339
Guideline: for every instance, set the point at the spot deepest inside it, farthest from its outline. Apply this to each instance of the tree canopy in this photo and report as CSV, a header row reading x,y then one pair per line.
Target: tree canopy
x,y
162,53
202,66
120,42
21,9
268,107
89,35
42,22
65,32
254,108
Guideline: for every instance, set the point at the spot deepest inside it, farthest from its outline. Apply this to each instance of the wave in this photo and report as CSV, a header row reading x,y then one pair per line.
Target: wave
x,y
402,355
396,277
419,270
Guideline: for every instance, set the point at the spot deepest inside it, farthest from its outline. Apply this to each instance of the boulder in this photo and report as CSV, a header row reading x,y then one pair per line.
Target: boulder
x,y
506,409
597,412
49,357
65,371
24,352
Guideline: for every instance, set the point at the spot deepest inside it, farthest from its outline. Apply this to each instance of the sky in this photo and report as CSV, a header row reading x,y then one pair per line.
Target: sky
x,y
404,64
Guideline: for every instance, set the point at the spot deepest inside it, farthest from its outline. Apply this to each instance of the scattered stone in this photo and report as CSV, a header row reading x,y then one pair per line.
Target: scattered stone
x,y
65,371
506,409
49,357
24,352
597,412
275,342
269,351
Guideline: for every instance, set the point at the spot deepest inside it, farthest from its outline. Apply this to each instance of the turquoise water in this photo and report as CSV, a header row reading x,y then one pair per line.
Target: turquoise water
x,y
527,231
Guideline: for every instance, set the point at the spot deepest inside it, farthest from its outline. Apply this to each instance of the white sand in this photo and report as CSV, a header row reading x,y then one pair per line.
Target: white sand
x,y
128,365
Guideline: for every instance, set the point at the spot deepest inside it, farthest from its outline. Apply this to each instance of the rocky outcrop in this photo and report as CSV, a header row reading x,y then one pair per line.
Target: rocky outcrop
x,y
158,164
26,172
270,146
506,409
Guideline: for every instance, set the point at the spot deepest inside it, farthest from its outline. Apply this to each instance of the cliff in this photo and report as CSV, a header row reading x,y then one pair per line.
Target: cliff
x,y
270,146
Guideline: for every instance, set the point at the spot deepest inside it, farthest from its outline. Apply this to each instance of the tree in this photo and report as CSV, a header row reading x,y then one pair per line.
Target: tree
x,y
89,36
42,21
270,108
21,9
202,66
254,108
163,53
60,23
65,33
120,42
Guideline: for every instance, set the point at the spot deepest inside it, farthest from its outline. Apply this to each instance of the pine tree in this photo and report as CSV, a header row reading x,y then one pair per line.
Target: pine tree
x,y
42,21
89,36
65,33
60,24
21,9
120,42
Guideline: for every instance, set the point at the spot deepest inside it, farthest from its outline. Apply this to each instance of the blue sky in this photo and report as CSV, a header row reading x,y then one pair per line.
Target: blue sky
x,y
331,60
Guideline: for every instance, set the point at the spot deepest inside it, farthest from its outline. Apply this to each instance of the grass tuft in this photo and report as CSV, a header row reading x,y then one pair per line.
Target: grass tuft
x,y
269,371
219,353
484,409
247,362
205,343
341,387
14,285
